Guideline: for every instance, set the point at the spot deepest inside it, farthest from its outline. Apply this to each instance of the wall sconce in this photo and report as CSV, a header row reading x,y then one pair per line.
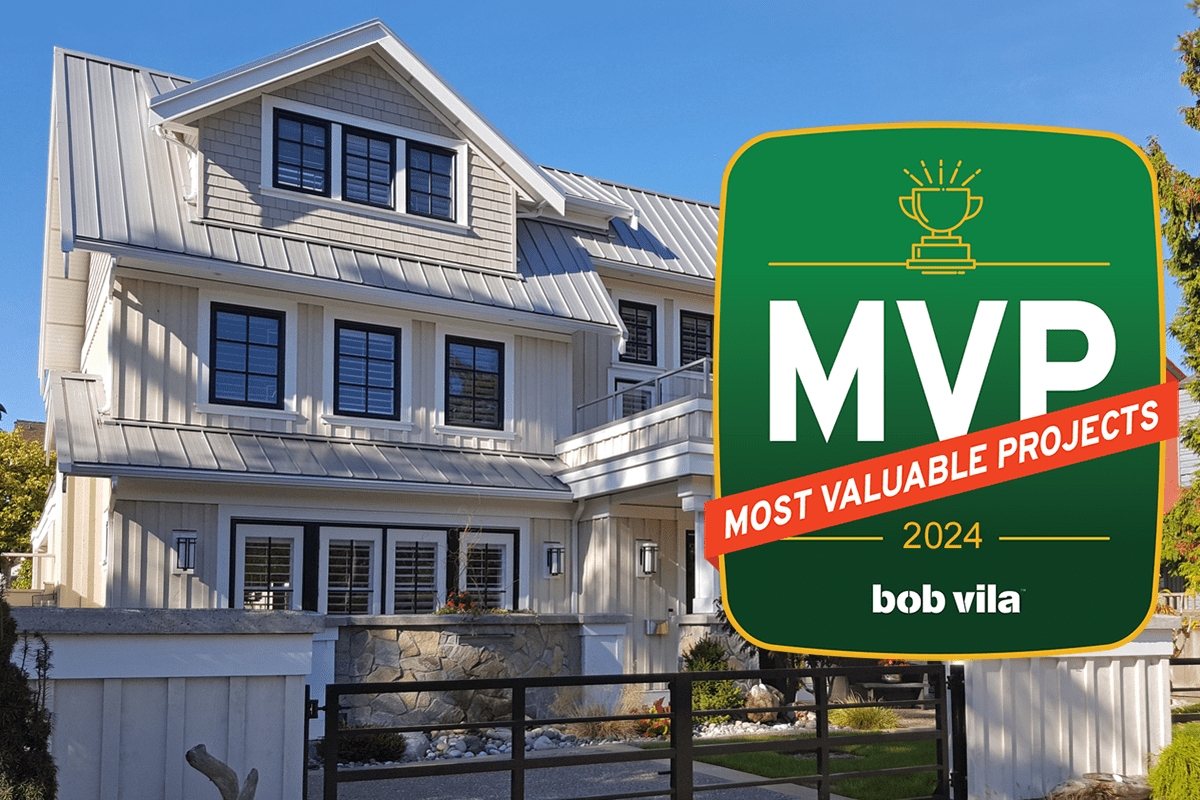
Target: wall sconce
x,y
185,552
647,555
556,559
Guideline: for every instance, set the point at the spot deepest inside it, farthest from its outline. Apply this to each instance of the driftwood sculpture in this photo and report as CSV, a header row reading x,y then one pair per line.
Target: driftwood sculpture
x,y
224,778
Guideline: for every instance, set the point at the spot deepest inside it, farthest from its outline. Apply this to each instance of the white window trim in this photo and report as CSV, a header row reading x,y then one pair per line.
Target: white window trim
x,y
331,533
508,432
478,537
335,313
256,531
246,298
300,515
395,535
337,120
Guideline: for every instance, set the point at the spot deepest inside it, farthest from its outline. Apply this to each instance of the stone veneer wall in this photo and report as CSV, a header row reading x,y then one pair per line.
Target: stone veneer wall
x,y
451,647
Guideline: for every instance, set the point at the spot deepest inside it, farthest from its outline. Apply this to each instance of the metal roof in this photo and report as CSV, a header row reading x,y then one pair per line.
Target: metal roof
x,y
122,184
93,444
673,234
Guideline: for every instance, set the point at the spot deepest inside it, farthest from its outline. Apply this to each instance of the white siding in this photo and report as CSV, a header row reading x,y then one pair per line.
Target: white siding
x,y
1189,461
140,564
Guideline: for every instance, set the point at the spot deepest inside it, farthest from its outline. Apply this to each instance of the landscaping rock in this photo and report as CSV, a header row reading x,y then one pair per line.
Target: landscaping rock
x,y
1102,786
763,696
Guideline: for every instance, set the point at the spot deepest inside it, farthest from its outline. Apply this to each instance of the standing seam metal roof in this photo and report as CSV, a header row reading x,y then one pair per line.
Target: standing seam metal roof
x,y
89,443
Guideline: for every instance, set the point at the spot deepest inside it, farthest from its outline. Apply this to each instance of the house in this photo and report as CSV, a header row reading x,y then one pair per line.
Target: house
x,y
316,335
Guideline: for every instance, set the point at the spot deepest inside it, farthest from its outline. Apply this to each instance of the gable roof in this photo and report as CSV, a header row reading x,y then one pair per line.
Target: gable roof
x,y
187,103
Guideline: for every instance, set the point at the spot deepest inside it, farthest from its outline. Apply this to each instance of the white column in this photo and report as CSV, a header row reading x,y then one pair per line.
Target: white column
x,y
708,580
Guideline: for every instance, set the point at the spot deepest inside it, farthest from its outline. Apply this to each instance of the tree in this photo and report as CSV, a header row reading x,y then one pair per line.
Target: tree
x,y
1179,197
25,475
27,770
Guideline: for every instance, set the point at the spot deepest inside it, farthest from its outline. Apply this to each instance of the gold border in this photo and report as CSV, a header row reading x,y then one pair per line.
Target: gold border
x,y
1162,357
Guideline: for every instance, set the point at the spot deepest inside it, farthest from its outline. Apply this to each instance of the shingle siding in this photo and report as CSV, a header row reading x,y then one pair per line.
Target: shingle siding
x,y
231,141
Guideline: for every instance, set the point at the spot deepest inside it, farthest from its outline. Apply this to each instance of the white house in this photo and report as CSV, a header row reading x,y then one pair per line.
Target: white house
x,y
316,335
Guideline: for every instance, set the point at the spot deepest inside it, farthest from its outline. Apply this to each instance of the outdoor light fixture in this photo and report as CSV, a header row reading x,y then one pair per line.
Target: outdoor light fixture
x,y
185,551
647,558
556,556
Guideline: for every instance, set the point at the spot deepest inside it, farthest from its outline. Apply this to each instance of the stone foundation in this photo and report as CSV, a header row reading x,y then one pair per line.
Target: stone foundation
x,y
451,647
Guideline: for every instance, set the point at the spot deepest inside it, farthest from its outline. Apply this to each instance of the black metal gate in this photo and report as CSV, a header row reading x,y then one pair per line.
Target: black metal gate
x,y
945,694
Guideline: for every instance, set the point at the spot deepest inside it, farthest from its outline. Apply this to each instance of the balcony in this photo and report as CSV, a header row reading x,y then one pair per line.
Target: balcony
x,y
651,432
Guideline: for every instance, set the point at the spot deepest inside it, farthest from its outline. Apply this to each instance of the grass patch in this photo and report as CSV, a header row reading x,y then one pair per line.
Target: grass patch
x,y
871,756
1194,708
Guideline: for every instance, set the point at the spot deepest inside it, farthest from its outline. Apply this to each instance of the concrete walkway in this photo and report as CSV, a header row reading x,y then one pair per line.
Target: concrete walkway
x,y
560,783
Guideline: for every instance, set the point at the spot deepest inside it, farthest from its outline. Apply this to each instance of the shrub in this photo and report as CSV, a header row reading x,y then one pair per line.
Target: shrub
x,y
570,703
368,747
27,771
1176,776
709,655
863,718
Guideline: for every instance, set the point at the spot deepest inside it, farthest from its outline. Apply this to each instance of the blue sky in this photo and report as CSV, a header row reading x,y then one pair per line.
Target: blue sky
x,y
654,94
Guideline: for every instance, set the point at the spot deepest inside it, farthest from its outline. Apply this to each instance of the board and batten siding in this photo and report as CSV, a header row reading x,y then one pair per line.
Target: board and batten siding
x,y
154,348
141,561
77,540
1189,460
231,141
549,595
610,584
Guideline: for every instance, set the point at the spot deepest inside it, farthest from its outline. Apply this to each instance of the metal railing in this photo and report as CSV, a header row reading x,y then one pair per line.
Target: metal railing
x,y
1185,662
945,689
690,380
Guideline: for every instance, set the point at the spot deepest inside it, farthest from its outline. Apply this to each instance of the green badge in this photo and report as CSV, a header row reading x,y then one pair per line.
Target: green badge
x,y
889,288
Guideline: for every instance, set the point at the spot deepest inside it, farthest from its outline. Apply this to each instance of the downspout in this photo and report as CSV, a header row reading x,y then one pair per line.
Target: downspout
x,y
577,561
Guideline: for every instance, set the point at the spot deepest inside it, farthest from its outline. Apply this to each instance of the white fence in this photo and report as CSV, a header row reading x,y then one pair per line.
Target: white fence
x,y
1035,722
132,691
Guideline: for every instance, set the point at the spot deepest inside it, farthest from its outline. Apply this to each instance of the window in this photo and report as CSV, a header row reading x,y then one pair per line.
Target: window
x,y
366,371
430,181
417,572
185,551
301,153
267,573
474,383
695,337
632,401
349,577
368,164
639,319
485,567
247,357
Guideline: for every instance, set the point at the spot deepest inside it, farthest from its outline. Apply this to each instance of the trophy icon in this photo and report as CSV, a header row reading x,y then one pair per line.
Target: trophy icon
x,y
940,210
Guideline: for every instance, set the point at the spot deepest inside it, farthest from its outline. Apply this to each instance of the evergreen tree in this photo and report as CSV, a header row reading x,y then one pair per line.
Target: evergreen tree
x,y
27,771
1179,197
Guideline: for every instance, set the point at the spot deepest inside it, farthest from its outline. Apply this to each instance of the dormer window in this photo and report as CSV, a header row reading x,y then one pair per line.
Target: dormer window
x,y
430,181
301,153
368,167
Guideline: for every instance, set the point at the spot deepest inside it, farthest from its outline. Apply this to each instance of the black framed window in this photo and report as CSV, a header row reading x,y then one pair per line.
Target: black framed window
x,y
301,153
641,323
484,576
366,371
247,356
368,164
474,383
430,181
695,337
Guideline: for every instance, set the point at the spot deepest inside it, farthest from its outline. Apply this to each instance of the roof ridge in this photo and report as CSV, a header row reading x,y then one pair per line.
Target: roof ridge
x,y
66,51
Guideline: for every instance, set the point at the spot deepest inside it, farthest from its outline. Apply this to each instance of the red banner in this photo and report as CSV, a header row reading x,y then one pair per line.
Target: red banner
x,y
940,469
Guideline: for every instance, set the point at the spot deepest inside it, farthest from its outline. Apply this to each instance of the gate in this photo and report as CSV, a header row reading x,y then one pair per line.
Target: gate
x,y
945,694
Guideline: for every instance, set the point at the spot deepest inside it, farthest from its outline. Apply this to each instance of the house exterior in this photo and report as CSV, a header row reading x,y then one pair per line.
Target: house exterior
x,y
316,336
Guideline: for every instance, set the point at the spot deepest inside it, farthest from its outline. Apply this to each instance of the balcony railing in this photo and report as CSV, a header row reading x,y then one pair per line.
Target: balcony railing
x,y
690,380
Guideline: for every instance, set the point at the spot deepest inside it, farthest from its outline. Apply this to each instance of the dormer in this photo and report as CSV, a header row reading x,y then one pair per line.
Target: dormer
x,y
353,138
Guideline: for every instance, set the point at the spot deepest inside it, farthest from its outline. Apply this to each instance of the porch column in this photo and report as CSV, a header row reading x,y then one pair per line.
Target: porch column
x,y
693,493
